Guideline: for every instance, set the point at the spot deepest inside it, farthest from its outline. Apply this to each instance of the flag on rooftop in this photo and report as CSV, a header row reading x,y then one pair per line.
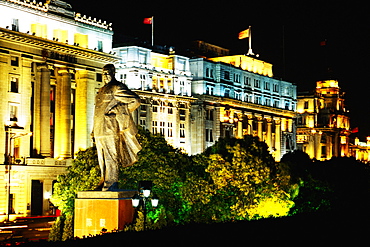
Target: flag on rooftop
x,y
244,34
148,20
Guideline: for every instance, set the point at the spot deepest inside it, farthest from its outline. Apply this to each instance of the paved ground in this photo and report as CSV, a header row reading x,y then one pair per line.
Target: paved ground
x,y
314,230
25,229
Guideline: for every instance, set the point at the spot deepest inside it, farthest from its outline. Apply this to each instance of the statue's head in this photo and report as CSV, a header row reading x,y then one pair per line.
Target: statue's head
x,y
108,73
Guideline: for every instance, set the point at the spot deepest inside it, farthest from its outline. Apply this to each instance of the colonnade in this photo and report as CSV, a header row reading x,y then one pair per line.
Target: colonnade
x,y
62,116
268,128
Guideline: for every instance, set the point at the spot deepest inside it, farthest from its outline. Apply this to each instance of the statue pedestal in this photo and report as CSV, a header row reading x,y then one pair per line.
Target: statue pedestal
x,y
95,210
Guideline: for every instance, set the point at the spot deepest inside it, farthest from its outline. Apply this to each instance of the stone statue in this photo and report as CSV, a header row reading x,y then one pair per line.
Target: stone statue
x,y
114,129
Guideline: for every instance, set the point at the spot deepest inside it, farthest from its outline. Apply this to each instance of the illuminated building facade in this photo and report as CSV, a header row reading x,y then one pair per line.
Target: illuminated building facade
x,y
236,96
323,124
50,69
361,150
163,82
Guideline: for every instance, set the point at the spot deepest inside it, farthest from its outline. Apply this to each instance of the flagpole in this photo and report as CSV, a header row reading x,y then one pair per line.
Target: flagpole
x,y
152,31
250,52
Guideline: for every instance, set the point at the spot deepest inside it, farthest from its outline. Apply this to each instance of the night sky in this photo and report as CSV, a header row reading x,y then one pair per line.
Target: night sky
x,y
285,34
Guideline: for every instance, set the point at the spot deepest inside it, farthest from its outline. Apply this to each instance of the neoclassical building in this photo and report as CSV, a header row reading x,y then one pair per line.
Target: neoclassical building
x,y
237,95
51,61
323,123
163,82
194,102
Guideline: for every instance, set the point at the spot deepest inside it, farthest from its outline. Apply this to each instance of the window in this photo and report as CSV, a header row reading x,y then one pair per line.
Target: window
x,y
209,90
323,151
267,85
182,130
247,81
81,40
236,78
169,130
209,114
14,61
100,45
227,75
227,93
276,88
306,105
142,57
257,100
154,127
13,112
182,114
143,123
15,25
209,135
14,84
99,77
257,83
161,128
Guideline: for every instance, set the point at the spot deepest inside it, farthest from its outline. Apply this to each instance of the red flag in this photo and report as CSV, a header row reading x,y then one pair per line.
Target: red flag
x,y
148,20
244,34
355,130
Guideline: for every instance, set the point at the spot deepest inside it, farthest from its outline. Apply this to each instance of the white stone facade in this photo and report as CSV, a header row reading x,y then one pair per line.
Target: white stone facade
x,y
47,88
232,102
163,83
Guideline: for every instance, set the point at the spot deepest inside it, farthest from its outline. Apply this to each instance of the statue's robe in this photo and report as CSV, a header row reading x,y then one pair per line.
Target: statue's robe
x,y
114,129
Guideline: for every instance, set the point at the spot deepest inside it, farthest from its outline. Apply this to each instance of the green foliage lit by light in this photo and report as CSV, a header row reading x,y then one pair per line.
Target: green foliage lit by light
x,y
247,181
236,179
84,174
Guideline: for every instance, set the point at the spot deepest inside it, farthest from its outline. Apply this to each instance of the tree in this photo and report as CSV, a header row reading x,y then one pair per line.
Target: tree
x,y
176,179
246,181
84,174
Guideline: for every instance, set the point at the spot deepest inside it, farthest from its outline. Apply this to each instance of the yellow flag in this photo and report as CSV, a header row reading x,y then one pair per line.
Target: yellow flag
x,y
244,34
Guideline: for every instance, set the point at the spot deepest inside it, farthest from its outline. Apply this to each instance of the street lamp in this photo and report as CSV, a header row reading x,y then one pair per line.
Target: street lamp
x,y
143,196
10,135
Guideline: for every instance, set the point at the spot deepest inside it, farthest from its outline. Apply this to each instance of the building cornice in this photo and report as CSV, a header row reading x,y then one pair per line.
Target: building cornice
x,y
164,96
45,44
245,105
59,10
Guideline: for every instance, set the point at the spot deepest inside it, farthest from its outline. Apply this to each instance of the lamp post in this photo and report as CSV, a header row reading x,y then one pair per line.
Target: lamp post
x,y
143,196
9,136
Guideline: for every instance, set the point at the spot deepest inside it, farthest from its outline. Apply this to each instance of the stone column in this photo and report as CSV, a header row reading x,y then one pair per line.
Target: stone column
x,y
259,128
240,127
277,139
63,114
44,110
250,123
84,109
269,132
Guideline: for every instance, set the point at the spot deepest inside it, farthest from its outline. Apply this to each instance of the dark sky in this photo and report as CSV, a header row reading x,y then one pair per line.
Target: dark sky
x,y
286,34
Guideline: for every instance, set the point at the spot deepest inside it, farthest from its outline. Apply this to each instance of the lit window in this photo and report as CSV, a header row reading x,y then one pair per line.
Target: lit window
x,y
81,40
182,130
13,112
169,131
14,83
154,127
15,25
100,45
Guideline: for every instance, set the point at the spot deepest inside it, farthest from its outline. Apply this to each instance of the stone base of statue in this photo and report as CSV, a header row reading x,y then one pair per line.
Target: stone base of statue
x,y
98,210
